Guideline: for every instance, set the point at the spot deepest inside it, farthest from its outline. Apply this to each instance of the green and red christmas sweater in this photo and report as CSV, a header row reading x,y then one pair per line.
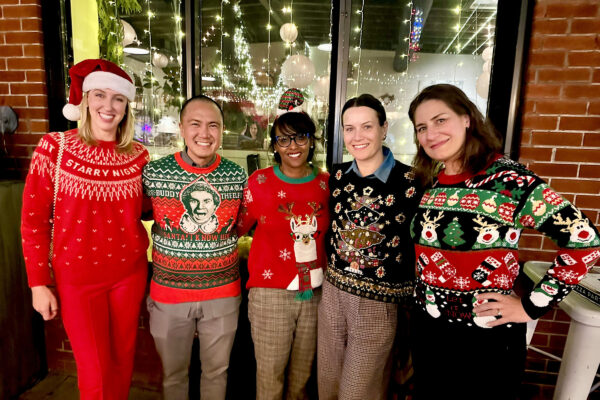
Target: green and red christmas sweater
x,y
291,218
466,233
98,233
194,251
371,254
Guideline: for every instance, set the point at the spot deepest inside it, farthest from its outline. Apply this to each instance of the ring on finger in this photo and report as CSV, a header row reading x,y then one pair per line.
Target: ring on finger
x,y
498,314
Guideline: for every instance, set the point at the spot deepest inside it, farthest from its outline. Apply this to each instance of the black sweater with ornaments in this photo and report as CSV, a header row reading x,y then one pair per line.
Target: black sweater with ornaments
x,y
369,246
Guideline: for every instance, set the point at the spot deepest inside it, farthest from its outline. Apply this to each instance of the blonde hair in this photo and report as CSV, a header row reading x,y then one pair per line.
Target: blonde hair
x,y
125,129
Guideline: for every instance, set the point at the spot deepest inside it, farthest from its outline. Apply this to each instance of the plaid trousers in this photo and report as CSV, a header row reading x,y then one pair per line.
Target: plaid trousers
x,y
284,332
355,340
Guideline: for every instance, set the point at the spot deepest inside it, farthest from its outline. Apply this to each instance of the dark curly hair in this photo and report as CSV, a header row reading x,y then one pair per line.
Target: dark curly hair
x,y
482,141
292,123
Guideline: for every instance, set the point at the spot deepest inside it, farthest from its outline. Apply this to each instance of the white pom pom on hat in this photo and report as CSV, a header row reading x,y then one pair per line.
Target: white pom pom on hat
x,y
95,74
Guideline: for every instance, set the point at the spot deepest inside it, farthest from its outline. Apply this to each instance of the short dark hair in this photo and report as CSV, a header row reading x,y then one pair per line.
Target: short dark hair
x,y
200,186
201,97
366,100
482,142
292,123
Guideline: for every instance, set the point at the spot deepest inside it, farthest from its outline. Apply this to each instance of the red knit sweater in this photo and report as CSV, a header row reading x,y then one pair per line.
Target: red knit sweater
x,y
98,235
286,236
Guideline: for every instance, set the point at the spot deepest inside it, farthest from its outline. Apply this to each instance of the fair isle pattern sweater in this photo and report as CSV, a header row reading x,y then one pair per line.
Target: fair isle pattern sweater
x,y
291,217
370,251
466,234
194,253
98,234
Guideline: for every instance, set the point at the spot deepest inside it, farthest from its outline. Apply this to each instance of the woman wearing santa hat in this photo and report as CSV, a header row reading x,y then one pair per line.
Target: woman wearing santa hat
x,y
82,206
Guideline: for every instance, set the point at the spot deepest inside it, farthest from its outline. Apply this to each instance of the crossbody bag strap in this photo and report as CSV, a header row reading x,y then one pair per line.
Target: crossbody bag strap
x,y
61,148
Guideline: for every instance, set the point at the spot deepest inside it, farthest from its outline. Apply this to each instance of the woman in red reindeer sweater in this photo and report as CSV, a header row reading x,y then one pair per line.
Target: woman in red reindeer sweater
x,y
469,331
83,200
288,205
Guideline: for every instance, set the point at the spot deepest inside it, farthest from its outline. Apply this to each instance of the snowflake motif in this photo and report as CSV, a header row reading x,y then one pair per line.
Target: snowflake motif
x,y
410,192
281,194
285,254
349,187
338,174
336,192
267,274
261,178
429,277
462,282
400,218
502,281
338,207
263,219
323,185
380,272
248,196
409,175
479,275
567,276
389,200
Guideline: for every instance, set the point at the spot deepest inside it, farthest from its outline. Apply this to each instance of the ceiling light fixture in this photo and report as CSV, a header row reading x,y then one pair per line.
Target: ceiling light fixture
x,y
135,50
324,47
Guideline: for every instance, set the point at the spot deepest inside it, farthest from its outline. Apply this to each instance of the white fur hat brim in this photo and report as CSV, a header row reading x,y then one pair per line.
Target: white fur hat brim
x,y
108,80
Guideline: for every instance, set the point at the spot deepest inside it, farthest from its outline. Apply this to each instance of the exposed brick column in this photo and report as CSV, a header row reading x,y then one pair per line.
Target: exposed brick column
x,y
22,80
561,139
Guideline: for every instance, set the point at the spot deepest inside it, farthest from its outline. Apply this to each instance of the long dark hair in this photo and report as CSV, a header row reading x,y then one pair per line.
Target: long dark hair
x,y
291,123
482,141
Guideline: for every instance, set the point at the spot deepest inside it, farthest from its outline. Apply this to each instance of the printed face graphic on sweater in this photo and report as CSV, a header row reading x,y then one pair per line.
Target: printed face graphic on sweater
x,y
202,206
200,201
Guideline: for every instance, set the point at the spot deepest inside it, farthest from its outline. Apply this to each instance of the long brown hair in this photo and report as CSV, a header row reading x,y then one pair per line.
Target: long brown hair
x,y
482,141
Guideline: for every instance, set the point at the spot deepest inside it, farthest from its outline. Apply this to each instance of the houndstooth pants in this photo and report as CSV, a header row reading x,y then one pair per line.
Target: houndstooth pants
x,y
284,332
355,339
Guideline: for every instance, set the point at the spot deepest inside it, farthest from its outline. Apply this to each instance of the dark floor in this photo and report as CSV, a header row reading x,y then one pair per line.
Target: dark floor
x,y
64,387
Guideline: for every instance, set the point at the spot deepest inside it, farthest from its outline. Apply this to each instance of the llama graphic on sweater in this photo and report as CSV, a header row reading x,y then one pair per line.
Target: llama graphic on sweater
x,y
303,232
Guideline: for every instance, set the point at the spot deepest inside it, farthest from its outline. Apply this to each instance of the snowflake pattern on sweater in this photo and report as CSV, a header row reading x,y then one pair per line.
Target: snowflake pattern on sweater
x,y
288,247
98,234
194,250
369,247
466,234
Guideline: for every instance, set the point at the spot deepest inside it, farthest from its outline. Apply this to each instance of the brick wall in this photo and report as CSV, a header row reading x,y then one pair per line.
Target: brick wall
x,y
23,87
561,139
22,80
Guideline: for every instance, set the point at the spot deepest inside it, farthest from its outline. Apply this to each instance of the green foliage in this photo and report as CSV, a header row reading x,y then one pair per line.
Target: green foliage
x,y
110,32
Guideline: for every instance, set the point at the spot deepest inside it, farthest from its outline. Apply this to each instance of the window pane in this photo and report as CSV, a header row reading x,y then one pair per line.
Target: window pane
x,y
152,50
247,65
397,48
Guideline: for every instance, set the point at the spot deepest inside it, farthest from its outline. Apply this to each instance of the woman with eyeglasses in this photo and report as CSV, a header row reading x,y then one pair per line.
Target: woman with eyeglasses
x,y
287,203
371,259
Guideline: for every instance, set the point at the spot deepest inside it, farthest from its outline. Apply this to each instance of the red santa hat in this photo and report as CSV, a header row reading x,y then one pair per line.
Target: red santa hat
x,y
95,74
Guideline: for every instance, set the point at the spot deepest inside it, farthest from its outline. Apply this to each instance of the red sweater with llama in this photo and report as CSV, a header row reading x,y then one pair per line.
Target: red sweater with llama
x,y
291,217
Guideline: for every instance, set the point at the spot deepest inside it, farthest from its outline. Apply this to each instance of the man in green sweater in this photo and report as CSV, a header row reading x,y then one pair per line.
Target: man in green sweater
x,y
195,284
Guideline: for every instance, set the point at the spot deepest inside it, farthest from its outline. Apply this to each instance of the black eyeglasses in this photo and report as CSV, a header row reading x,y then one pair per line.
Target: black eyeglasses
x,y
300,138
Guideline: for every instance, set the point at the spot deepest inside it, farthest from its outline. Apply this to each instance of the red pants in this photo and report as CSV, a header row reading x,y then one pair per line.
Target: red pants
x,y
101,321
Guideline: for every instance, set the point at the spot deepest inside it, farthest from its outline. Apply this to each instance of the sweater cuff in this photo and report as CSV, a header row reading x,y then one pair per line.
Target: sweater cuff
x,y
531,309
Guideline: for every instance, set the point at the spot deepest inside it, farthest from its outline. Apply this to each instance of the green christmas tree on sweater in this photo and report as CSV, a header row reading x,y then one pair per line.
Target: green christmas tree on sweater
x,y
453,234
